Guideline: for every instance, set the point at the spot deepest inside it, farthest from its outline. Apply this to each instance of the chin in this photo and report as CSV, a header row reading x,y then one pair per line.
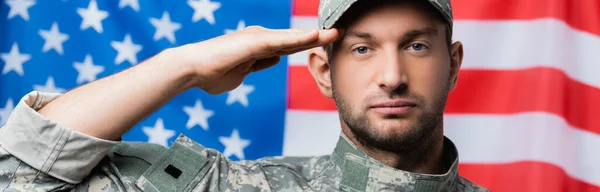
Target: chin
x,y
394,127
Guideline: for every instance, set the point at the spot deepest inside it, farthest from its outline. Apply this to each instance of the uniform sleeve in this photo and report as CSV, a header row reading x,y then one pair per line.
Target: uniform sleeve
x,y
39,154
189,166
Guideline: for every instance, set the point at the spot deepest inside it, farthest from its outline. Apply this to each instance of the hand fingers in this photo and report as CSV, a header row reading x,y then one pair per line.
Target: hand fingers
x,y
295,39
265,63
325,37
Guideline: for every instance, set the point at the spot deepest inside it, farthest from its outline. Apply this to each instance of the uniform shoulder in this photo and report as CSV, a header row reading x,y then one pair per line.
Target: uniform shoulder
x,y
469,186
308,166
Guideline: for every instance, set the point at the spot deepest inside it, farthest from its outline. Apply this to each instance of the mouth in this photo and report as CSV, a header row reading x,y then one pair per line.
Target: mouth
x,y
394,107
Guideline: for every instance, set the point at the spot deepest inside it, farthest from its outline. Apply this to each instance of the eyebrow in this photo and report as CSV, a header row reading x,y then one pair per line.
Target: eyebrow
x,y
358,34
428,31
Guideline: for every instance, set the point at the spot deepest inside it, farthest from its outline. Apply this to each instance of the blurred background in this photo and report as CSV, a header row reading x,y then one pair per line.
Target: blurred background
x,y
525,114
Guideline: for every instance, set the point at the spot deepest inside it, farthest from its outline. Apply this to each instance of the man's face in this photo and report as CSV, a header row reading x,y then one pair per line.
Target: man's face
x,y
390,75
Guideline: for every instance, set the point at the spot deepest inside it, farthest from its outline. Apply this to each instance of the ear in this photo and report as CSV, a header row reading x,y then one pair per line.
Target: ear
x,y
456,58
318,66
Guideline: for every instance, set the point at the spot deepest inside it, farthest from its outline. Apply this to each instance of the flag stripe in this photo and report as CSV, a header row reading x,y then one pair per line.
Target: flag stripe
x,y
304,93
489,92
305,7
310,132
541,137
480,139
585,19
535,89
528,176
580,14
522,44
525,44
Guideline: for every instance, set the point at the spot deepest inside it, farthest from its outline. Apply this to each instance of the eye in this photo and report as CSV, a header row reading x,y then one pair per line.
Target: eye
x,y
417,47
361,50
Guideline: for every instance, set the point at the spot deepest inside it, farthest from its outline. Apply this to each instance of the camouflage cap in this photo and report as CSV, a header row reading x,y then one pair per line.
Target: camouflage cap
x,y
331,10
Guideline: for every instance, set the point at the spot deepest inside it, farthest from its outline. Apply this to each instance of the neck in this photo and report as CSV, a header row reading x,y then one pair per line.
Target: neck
x,y
426,158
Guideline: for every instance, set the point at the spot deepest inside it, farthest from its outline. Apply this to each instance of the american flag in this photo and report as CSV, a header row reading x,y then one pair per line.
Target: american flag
x,y
524,115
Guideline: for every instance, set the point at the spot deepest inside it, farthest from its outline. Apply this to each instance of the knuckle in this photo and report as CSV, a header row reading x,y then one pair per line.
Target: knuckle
x,y
254,28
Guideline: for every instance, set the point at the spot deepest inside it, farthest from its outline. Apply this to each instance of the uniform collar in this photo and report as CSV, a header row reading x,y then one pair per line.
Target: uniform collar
x,y
360,172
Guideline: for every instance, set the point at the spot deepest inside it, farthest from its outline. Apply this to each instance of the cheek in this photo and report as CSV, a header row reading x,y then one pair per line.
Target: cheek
x,y
428,77
351,82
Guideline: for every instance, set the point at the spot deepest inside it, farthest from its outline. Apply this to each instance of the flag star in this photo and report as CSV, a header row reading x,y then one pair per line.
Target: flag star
x,y
240,94
241,25
5,112
13,61
92,17
165,28
53,39
49,87
127,50
134,4
158,134
204,9
234,145
87,70
198,115
19,7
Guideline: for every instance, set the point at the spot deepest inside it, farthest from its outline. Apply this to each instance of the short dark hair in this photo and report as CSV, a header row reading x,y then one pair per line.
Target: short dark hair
x,y
360,8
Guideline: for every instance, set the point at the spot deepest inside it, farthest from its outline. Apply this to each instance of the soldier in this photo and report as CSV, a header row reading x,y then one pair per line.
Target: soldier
x,y
389,65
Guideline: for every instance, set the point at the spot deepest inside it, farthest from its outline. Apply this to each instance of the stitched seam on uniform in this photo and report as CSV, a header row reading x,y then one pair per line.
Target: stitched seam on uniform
x,y
14,174
320,174
55,152
192,183
337,9
210,164
293,171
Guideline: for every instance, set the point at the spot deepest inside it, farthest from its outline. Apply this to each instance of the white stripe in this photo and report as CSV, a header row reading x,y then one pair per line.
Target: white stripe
x,y
528,136
540,137
310,132
303,22
509,45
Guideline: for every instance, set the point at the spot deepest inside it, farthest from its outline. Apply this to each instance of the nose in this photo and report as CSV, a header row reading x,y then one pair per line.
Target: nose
x,y
391,72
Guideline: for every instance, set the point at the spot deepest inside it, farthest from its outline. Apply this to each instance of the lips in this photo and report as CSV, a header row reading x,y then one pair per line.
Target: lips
x,y
394,107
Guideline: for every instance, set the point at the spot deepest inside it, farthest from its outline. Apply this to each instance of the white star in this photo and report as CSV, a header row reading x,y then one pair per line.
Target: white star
x,y
134,4
158,134
204,9
165,28
87,70
49,87
241,25
234,145
92,17
240,94
19,7
53,39
13,61
198,115
5,112
127,50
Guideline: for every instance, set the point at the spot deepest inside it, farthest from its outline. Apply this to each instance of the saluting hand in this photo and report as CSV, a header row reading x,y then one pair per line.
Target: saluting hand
x,y
222,63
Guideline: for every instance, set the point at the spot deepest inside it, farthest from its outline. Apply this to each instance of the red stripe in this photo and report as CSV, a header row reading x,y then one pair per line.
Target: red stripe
x,y
523,176
305,7
490,92
304,93
579,14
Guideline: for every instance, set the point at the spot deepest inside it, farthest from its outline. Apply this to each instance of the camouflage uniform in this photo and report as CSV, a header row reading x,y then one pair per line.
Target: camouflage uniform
x,y
40,155
37,154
